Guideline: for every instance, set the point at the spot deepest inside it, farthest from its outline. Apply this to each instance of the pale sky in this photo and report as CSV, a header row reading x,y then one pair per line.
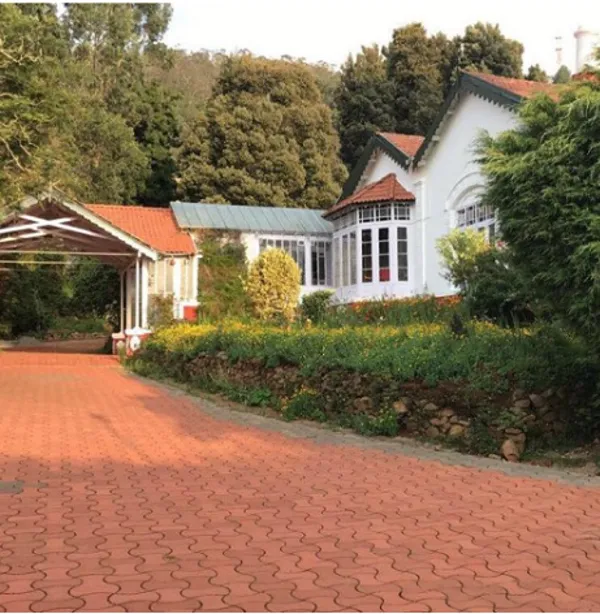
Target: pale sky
x,y
330,29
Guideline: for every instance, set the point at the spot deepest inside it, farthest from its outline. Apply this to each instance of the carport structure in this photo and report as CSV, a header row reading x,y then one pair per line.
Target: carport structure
x,y
153,255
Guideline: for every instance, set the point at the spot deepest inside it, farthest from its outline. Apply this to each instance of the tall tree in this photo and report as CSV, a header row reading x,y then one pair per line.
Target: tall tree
x,y
537,73
32,96
563,75
267,138
416,66
365,102
543,182
112,43
486,49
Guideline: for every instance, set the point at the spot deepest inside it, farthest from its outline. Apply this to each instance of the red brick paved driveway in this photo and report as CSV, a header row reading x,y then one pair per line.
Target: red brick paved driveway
x,y
134,498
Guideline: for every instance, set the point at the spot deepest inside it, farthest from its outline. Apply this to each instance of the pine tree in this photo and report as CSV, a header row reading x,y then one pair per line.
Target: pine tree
x,y
365,102
416,67
486,49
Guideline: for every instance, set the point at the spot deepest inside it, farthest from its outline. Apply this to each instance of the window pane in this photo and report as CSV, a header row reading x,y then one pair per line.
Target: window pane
x,y
345,280
384,254
402,242
352,258
367,256
336,263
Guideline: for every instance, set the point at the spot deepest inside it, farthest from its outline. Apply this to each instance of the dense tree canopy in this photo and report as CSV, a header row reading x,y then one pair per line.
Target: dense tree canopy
x,y
402,87
93,102
484,48
365,102
543,182
563,75
266,137
537,73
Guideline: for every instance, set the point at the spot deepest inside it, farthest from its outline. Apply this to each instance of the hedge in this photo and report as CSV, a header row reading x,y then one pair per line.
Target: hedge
x,y
486,357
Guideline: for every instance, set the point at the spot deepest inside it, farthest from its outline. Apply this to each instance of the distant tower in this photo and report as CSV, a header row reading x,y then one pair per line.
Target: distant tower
x,y
586,40
559,51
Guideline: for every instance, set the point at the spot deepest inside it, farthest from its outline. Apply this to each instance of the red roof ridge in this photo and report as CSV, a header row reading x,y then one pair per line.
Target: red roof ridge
x,y
521,87
153,226
386,189
407,143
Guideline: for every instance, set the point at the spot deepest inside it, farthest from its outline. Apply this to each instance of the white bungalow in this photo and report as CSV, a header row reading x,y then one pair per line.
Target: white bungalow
x,y
405,192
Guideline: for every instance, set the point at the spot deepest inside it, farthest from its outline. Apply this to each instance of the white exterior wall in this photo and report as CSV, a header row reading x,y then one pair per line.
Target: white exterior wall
x,y
451,176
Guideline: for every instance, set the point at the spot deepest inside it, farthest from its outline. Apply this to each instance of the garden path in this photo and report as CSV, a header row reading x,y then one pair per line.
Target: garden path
x,y
120,495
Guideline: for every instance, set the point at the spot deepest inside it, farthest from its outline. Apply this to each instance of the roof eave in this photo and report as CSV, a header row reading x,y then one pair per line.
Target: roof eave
x,y
375,142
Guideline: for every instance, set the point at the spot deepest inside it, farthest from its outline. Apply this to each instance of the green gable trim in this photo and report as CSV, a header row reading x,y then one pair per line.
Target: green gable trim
x,y
375,142
467,83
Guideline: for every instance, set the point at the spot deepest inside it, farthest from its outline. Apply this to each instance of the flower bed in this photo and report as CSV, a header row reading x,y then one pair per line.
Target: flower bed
x,y
488,386
397,312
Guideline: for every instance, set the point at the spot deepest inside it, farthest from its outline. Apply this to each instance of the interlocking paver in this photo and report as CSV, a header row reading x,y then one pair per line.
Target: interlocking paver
x,y
137,498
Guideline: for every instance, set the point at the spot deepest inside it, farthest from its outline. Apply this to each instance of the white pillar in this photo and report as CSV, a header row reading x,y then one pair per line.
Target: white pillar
x,y
307,263
129,298
145,292
177,270
137,291
195,273
122,301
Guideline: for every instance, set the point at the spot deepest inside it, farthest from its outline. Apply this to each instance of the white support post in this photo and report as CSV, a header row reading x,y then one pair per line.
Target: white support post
x,y
307,262
177,270
145,280
195,273
122,305
137,291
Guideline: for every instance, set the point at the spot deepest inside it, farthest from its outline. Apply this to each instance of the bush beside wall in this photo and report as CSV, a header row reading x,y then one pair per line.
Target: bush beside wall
x,y
490,391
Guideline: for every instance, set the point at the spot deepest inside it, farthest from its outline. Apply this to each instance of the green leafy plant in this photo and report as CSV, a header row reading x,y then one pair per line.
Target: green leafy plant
x,y
315,306
273,286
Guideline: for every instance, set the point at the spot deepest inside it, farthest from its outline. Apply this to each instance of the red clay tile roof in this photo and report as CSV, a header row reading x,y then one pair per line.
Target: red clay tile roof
x,y
153,226
387,189
407,143
520,87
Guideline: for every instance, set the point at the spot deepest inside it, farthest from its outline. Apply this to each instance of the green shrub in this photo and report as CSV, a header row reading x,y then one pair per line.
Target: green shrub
x,y
497,292
315,306
222,272
396,312
160,311
273,286
459,251
489,358
306,404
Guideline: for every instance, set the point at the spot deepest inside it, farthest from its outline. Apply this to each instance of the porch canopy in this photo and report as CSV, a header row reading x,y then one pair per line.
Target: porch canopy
x,y
128,238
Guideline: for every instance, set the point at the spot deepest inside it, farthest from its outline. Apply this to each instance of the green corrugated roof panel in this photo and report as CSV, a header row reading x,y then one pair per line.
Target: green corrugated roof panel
x,y
251,219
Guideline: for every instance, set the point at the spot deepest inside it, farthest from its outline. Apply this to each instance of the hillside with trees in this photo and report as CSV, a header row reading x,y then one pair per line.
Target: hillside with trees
x,y
93,102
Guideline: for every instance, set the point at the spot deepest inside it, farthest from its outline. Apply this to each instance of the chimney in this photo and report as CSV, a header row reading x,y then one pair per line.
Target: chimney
x,y
586,41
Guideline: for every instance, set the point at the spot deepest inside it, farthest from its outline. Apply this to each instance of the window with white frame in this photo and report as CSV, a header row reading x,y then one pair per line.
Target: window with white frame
x,y
402,252
367,255
478,216
294,247
383,213
320,257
